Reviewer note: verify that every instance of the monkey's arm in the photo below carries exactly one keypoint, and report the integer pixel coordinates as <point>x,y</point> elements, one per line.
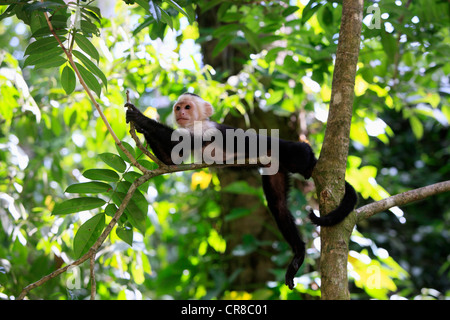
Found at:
<point>157,134</point>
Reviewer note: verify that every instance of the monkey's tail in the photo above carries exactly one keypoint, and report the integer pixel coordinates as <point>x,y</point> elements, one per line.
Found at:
<point>346,206</point>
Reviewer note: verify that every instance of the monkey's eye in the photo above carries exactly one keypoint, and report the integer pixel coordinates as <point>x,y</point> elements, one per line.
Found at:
<point>177,108</point>
<point>188,107</point>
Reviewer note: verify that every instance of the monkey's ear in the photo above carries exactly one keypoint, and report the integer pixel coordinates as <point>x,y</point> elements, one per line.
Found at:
<point>208,109</point>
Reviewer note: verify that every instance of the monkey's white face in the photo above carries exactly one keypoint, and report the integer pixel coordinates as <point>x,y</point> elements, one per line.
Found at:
<point>189,109</point>
<point>185,112</point>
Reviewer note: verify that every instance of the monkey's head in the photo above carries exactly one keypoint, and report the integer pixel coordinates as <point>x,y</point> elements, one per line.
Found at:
<point>189,108</point>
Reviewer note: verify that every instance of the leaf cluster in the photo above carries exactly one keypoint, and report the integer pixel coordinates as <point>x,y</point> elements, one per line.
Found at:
<point>72,23</point>
<point>112,183</point>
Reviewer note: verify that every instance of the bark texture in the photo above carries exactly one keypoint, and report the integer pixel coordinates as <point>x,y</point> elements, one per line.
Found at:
<point>329,174</point>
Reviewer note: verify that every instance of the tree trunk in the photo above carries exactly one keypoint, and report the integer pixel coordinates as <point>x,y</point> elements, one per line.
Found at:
<point>329,174</point>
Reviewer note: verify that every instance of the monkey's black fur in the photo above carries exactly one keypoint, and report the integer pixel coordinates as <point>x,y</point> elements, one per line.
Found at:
<point>294,157</point>
<point>157,134</point>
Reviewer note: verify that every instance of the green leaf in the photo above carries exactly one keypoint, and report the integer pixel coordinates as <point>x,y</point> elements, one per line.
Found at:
<point>289,10</point>
<point>138,197</point>
<point>89,28</point>
<point>8,12</point>
<point>68,80</point>
<point>221,45</point>
<point>134,214</point>
<point>46,6</point>
<point>90,79</point>
<point>51,63</point>
<point>42,45</point>
<point>91,66</point>
<point>231,16</point>
<point>111,209</point>
<point>309,10</point>
<point>142,3</point>
<point>60,20</point>
<point>45,57</point>
<point>89,187</point>
<point>129,148</point>
<point>86,45</point>
<point>155,11</point>
<point>227,30</point>
<point>143,25</point>
<point>210,4</point>
<point>358,133</point>
<point>389,43</point>
<point>446,112</point>
<point>275,97</point>
<point>416,126</point>
<point>147,164</point>
<point>177,7</point>
<point>166,18</point>
<point>125,233</point>
<point>77,205</point>
<point>273,53</point>
<point>131,176</point>
<point>87,234</point>
<point>113,160</point>
<point>101,174</point>
<point>45,31</point>
<point>95,11</point>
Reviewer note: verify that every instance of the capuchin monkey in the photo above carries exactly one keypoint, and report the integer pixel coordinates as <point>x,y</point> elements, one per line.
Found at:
<point>192,112</point>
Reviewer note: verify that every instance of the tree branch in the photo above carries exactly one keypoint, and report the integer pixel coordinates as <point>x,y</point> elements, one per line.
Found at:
<point>401,199</point>
<point>69,55</point>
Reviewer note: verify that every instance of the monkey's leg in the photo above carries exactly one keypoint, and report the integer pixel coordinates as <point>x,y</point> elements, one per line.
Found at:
<point>276,188</point>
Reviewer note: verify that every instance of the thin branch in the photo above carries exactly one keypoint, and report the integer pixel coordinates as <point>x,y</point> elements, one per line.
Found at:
<point>51,276</point>
<point>91,96</point>
<point>400,199</point>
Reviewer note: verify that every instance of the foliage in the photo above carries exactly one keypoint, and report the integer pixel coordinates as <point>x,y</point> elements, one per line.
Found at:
<point>62,177</point>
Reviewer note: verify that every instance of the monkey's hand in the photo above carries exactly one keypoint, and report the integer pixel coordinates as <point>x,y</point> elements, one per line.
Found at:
<point>133,115</point>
